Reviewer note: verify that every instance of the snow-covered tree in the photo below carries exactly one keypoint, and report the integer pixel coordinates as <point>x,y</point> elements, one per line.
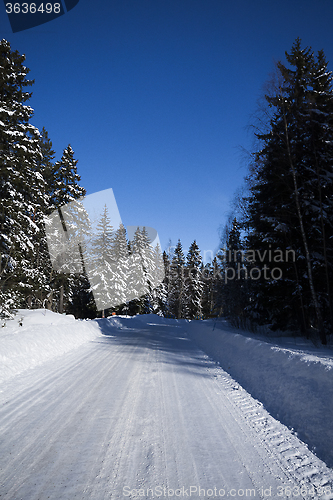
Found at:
<point>177,282</point>
<point>159,295</point>
<point>193,288</point>
<point>121,259</point>
<point>66,179</point>
<point>234,273</point>
<point>43,272</point>
<point>140,272</point>
<point>290,205</point>
<point>22,187</point>
<point>100,263</point>
<point>66,190</point>
<point>212,289</point>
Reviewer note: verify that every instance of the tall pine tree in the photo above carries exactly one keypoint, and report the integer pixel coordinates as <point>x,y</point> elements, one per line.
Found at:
<point>67,190</point>
<point>177,282</point>
<point>22,187</point>
<point>291,202</point>
<point>193,288</point>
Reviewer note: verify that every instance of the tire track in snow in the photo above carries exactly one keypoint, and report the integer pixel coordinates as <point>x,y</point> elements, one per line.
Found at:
<point>144,408</point>
<point>57,430</point>
<point>293,455</point>
<point>117,442</point>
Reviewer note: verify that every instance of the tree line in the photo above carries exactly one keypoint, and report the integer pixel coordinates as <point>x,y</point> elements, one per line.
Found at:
<point>288,202</point>
<point>275,263</point>
<point>107,269</point>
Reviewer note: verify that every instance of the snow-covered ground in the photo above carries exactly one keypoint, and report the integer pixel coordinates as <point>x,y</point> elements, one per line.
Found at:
<point>133,408</point>
<point>35,336</point>
<point>289,375</point>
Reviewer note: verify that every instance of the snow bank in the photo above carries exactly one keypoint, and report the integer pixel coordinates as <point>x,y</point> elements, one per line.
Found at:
<point>43,335</point>
<point>124,322</point>
<point>295,384</point>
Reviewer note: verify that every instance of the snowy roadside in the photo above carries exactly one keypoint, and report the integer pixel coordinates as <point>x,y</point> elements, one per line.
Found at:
<point>42,336</point>
<point>294,383</point>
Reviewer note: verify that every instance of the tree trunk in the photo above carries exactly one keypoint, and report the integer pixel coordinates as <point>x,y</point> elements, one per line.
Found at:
<point>304,238</point>
<point>324,241</point>
<point>61,299</point>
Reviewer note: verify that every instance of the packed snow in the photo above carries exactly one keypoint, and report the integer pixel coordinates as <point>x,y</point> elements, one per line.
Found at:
<point>36,336</point>
<point>289,375</point>
<point>129,407</point>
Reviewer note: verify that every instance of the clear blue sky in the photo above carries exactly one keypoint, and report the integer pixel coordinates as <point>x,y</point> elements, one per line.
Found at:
<point>155,97</point>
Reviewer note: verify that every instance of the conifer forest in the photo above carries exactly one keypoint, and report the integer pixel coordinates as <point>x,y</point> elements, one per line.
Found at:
<point>275,263</point>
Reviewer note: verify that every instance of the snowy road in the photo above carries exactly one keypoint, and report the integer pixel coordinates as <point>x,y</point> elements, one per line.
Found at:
<point>143,413</point>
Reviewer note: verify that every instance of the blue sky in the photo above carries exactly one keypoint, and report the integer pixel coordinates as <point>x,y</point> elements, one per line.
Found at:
<point>155,97</point>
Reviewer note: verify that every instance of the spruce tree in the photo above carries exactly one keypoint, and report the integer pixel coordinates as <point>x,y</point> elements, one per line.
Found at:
<point>166,284</point>
<point>121,259</point>
<point>177,282</point>
<point>206,278</point>
<point>66,179</point>
<point>159,290</point>
<point>22,187</point>
<point>235,276</point>
<point>291,202</point>
<point>193,288</point>
<point>43,273</point>
<point>100,263</point>
<point>136,282</point>
<point>45,166</point>
<point>67,190</point>
<point>141,272</point>
<point>216,287</point>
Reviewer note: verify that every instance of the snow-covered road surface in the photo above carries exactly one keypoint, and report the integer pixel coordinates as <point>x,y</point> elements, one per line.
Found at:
<point>143,413</point>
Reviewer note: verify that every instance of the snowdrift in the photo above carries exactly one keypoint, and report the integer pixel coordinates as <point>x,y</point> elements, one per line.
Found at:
<point>295,383</point>
<point>36,336</point>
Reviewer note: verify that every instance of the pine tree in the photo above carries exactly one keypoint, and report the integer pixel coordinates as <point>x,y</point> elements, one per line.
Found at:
<point>81,302</point>
<point>291,202</point>
<point>193,288</point>
<point>45,165</point>
<point>21,184</point>
<point>166,285</point>
<point>216,288</point>
<point>41,263</point>
<point>235,276</point>
<point>136,283</point>
<point>159,296</point>
<point>206,278</point>
<point>300,102</point>
<point>177,282</point>
<point>212,289</point>
<point>100,263</point>
<point>121,258</point>
<point>148,259</point>
<point>320,205</point>
<point>141,272</point>
<point>66,192</point>
<point>66,179</point>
